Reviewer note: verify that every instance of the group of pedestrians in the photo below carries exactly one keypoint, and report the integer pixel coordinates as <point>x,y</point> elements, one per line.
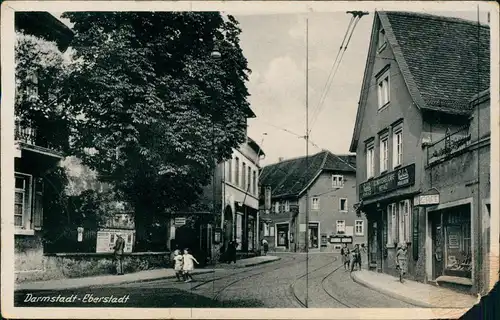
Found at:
<point>183,265</point>
<point>351,258</point>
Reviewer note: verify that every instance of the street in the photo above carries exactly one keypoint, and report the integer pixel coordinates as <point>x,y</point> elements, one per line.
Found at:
<point>280,284</point>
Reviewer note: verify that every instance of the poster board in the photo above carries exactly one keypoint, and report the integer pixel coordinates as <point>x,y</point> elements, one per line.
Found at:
<point>106,239</point>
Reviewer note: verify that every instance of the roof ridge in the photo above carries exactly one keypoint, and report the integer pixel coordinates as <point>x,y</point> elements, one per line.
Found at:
<point>344,161</point>
<point>430,16</point>
<point>294,159</point>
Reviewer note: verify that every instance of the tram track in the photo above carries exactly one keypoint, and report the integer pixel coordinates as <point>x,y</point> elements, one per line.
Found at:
<point>335,298</point>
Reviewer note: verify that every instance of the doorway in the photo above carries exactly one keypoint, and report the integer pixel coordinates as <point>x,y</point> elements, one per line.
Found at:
<point>437,244</point>
<point>282,235</point>
<point>313,235</point>
<point>373,242</point>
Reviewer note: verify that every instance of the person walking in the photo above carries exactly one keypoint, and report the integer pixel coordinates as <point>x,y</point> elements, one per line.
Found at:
<point>265,246</point>
<point>188,265</point>
<point>346,259</point>
<point>231,252</point>
<point>402,261</point>
<point>355,257</point>
<point>118,252</point>
<point>178,263</point>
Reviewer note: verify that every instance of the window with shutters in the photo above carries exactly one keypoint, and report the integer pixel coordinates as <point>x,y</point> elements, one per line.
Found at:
<point>340,226</point>
<point>22,202</point>
<point>337,181</point>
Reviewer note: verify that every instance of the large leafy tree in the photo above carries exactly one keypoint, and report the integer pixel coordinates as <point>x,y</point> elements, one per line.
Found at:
<point>156,111</point>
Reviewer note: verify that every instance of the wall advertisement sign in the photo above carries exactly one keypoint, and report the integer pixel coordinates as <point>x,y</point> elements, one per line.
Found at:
<point>400,178</point>
<point>106,239</point>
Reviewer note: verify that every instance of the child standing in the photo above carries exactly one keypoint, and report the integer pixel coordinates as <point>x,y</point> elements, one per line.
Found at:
<point>178,262</point>
<point>188,265</point>
<point>401,261</point>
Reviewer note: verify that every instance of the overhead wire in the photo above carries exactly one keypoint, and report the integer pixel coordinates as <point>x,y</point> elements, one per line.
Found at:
<point>330,79</point>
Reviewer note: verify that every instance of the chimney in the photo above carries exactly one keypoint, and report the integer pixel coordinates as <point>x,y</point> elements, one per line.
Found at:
<point>280,159</point>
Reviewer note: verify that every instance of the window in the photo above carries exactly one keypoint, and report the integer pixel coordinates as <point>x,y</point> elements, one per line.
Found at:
<point>404,221</point>
<point>287,206</point>
<point>249,179</point>
<point>359,227</point>
<point>381,39</point>
<point>337,181</point>
<point>315,203</point>
<point>237,171</point>
<point>229,171</point>
<point>384,152</point>
<point>266,230</point>
<point>343,204</point>
<point>22,201</point>
<point>243,176</point>
<point>397,144</point>
<point>277,207</point>
<point>254,183</point>
<point>271,231</point>
<point>369,160</point>
<point>341,226</point>
<point>32,88</point>
<point>383,90</point>
<point>392,236</point>
<point>267,198</point>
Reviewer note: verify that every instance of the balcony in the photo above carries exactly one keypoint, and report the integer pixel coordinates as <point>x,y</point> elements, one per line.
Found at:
<point>28,139</point>
<point>450,144</point>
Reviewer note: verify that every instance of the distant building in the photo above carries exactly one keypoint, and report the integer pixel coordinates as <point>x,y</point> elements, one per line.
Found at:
<point>416,91</point>
<point>330,183</point>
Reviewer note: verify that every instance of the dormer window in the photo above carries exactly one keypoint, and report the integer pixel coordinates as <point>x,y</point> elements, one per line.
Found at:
<point>381,40</point>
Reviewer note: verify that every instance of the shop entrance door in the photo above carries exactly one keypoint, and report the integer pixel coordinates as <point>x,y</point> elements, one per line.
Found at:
<point>373,243</point>
<point>282,235</point>
<point>437,244</point>
<point>313,235</point>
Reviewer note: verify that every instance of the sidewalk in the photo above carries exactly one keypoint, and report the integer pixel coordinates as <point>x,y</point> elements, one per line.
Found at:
<point>416,293</point>
<point>147,275</point>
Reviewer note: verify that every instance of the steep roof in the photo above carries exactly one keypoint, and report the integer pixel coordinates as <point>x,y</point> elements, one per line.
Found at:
<point>438,59</point>
<point>290,177</point>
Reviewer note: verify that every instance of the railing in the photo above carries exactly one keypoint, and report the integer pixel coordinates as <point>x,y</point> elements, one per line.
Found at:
<point>25,134</point>
<point>452,142</point>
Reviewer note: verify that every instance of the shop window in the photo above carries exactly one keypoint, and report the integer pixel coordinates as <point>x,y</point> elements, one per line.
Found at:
<point>337,181</point>
<point>315,203</point>
<point>404,221</point>
<point>392,236</point>
<point>287,206</point>
<point>458,253</point>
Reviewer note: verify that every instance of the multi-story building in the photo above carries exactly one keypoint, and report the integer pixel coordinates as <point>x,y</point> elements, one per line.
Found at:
<point>35,156</point>
<point>416,88</point>
<point>328,182</point>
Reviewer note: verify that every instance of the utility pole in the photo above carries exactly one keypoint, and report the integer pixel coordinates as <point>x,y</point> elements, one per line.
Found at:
<point>307,163</point>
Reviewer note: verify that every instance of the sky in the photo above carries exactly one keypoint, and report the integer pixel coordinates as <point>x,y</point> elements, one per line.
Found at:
<point>275,47</point>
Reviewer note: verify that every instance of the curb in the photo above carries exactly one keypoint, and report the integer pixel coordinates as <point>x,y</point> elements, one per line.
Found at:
<point>258,263</point>
<point>390,293</point>
<point>125,281</point>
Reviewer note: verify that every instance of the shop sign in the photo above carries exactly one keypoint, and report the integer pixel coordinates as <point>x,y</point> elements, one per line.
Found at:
<point>400,178</point>
<point>180,221</point>
<point>340,239</point>
<point>427,198</point>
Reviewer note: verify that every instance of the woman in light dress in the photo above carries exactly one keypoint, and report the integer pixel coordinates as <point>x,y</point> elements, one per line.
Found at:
<point>188,265</point>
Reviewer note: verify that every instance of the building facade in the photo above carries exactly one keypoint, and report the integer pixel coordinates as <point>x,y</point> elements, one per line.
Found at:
<point>35,156</point>
<point>414,92</point>
<point>320,198</point>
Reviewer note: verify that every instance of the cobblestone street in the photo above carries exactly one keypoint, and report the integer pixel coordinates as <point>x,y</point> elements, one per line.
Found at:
<point>281,284</point>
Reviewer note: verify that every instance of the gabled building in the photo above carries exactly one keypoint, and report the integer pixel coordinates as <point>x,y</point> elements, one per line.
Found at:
<point>421,72</point>
<point>330,187</point>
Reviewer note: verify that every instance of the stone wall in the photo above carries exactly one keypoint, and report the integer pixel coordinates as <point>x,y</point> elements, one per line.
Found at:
<point>73,265</point>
